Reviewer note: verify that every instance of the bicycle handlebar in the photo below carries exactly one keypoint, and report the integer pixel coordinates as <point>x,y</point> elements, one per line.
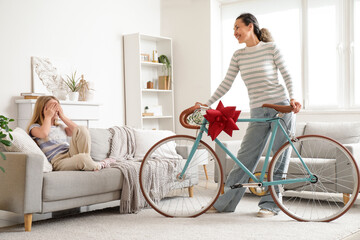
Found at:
<point>184,115</point>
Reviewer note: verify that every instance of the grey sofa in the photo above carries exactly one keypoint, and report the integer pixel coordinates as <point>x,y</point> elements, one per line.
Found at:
<point>347,133</point>
<point>25,189</point>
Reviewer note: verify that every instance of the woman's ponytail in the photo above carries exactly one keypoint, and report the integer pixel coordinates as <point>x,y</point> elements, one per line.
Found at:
<point>266,35</point>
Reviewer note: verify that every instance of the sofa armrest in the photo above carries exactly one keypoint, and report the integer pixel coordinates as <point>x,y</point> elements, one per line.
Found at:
<point>354,149</point>
<point>21,184</point>
<point>226,162</point>
<point>344,184</point>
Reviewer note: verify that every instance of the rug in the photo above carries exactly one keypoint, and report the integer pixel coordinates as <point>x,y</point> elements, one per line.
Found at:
<point>148,224</point>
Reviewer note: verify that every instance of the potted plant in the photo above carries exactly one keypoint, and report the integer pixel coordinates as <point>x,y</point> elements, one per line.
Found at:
<point>4,132</point>
<point>164,81</point>
<point>73,83</point>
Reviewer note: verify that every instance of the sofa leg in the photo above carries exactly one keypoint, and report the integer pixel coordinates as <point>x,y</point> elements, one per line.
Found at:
<point>205,170</point>
<point>28,222</point>
<point>191,191</point>
<point>346,198</point>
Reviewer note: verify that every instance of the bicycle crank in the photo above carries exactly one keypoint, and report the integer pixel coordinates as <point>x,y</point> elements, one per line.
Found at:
<point>240,185</point>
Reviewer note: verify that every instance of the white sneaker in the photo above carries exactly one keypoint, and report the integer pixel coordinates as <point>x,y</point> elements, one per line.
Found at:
<point>212,210</point>
<point>265,213</point>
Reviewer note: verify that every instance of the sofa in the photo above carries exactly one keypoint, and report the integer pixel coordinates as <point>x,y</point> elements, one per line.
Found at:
<point>347,133</point>
<point>28,186</point>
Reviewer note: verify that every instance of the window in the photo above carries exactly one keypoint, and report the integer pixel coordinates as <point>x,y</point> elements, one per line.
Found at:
<point>320,47</point>
<point>355,49</point>
<point>323,51</point>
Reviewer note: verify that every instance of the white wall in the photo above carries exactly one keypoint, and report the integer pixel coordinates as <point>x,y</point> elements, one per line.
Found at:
<point>188,23</point>
<point>85,34</point>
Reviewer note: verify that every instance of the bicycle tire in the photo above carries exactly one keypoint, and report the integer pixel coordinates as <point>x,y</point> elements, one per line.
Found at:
<point>177,201</point>
<point>337,176</point>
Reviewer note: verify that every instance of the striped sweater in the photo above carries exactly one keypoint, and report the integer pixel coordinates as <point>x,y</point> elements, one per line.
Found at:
<point>258,66</point>
<point>54,144</point>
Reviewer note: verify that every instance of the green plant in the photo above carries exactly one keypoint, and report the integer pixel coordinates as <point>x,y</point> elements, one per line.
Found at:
<point>73,82</point>
<point>4,131</point>
<point>164,59</point>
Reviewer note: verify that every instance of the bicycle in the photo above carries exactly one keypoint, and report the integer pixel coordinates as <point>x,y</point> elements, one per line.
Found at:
<point>308,189</point>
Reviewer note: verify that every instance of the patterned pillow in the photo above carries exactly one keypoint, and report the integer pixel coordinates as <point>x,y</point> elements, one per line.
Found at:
<point>23,143</point>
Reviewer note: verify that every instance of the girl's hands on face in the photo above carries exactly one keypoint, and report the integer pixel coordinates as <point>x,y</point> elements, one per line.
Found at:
<point>60,110</point>
<point>50,110</point>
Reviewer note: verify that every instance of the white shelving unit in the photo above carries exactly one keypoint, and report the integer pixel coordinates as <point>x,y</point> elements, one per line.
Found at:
<point>138,73</point>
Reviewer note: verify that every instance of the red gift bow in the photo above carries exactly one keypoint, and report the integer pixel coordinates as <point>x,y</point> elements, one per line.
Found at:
<point>222,119</point>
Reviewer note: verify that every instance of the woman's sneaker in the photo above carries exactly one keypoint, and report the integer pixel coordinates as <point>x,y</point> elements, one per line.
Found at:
<point>212,210</point>
<point>265,213</point>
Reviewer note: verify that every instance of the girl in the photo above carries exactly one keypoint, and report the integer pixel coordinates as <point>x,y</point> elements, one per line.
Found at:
<point>258,64</point>
<point>51,138</point>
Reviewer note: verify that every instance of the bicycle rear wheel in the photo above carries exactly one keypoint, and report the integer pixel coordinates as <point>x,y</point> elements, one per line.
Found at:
<point>337,179</point>
<point>162,187</point>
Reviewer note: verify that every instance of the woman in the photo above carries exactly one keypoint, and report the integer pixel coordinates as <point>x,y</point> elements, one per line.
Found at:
<point>258,63</point>
<point>52,138</point>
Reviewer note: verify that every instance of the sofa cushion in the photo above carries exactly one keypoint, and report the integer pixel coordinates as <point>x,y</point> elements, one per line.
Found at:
<point>344,132</point>
<point>2,148</point>
<point>23,143</point>
<point>100,143</point>
<point>145,139</point>
<point>60,185</point>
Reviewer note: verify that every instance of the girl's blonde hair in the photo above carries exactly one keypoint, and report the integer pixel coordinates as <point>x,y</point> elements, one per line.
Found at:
<point>38,115</point>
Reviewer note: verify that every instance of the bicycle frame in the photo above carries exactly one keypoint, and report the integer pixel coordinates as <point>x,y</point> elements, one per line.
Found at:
<point>277,125</point>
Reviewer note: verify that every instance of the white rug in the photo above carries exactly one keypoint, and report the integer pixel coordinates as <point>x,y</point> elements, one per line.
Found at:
<point>148,224</point>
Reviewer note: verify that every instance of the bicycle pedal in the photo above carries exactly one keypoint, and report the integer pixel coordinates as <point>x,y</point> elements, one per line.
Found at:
<point>236,185</point>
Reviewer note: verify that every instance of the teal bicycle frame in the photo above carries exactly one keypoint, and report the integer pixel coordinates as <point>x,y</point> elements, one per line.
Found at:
<point>277,125</point>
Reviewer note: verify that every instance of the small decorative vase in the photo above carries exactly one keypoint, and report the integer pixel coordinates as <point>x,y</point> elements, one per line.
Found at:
<point>149,85</point>
<point>164,82</point>
<point>73,96</point>
<point>60,94</point>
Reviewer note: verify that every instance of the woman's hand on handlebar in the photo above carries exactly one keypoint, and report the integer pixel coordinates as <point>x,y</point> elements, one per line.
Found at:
<point>295,105</point>
<point>201,105</point>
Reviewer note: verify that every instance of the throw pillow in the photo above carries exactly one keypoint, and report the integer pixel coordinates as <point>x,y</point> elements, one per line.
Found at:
<point>100,143</point>
<point>145,139</point>
<point>23,143</point>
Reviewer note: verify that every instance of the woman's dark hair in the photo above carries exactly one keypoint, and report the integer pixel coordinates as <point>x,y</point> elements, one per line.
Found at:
<point>262,34</point>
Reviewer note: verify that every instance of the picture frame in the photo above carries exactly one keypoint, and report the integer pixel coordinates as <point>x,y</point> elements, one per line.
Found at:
<point>145,57</point>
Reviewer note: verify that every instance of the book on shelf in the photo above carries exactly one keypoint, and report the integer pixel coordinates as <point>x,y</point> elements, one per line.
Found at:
<point>32,95</point>
<point>148,114</point>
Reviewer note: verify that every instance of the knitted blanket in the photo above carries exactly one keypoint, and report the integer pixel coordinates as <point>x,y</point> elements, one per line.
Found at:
<point>160,177</point>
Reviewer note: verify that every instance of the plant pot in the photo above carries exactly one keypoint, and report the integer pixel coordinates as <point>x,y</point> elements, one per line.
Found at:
<point>164,82</point>
<point>73,96</point>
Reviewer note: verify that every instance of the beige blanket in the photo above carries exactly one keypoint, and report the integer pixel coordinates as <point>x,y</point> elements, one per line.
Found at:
<point>159,172</point>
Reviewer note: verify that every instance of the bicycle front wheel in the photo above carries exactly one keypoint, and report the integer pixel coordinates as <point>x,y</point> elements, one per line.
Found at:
<point>336,183</point>
<point>169,193</point>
